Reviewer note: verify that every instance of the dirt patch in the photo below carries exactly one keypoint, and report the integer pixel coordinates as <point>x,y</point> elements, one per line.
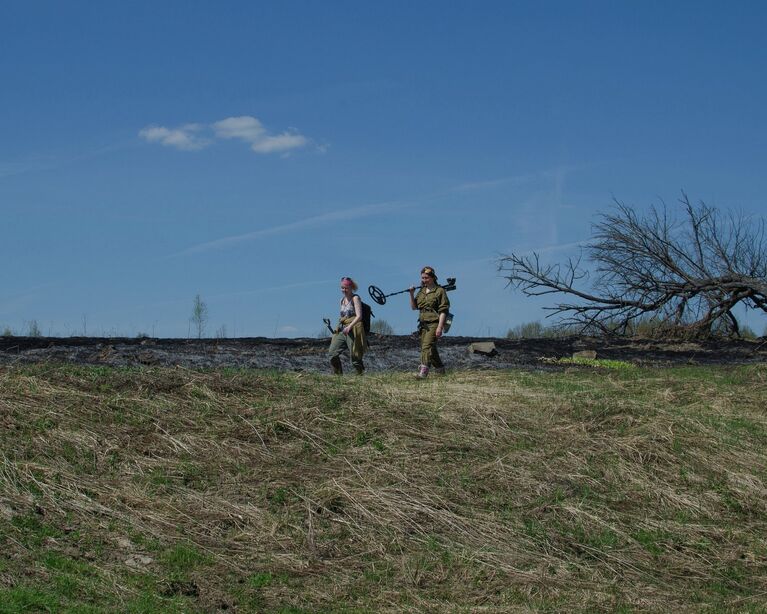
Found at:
<point>387,353</point>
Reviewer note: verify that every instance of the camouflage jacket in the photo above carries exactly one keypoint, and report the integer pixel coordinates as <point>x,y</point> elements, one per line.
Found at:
<point>432,304</point>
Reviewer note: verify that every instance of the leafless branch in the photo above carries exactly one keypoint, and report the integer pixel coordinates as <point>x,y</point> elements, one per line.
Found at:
<point>688,272</point>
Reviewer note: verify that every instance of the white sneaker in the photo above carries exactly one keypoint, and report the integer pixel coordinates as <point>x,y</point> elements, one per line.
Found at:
<point>423,372</point>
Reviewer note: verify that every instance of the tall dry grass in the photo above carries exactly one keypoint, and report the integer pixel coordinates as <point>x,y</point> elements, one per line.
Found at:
<point>166,489</point>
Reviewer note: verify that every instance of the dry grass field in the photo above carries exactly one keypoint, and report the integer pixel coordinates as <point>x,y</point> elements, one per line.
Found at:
<point>584,489</point>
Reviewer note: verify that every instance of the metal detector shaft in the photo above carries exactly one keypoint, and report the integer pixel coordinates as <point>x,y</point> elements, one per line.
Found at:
<point>379,297</point>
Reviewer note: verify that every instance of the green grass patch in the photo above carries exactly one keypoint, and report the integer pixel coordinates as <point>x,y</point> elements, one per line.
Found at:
<point>601,363</point>
<point>183,558</point>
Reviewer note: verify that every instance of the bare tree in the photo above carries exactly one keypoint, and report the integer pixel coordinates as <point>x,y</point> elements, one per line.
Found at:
<point>199,316</point>
<point>688,273</point>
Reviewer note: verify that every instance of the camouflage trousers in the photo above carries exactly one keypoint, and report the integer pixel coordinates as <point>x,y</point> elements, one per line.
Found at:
<point>429,354</point>
<point>355,342</point>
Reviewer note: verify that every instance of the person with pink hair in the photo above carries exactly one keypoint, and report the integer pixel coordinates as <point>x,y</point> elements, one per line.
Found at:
<point>350,331</point>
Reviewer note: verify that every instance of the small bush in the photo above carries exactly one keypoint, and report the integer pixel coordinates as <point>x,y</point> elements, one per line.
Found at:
<point>647,327</point>
<point>536,330</point>
<point>746,332</point>
<point>528,330</point>
<point>381,327</point>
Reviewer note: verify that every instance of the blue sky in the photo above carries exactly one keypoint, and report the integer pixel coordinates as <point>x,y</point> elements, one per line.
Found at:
<point>253,153</point>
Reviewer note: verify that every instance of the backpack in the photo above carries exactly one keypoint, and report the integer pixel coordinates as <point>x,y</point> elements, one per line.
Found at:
<point>367,313</point>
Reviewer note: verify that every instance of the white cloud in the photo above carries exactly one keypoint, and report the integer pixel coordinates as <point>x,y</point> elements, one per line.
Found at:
<point>251,130</point>
<point>280,143</point>
<point>244,128</point>
<point>184,138</point>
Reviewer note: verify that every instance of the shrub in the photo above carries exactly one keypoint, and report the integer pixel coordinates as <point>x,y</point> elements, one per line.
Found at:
<point>34,329</point>
<point>381,327</point>
<point>527,330</point>
<point>746,332</point>
<point>536,330</point>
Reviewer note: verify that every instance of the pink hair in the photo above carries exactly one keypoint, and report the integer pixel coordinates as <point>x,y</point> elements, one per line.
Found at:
<point>348,282</point>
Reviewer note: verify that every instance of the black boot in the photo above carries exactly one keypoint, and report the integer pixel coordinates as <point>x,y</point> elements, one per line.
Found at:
<point>335,362</point>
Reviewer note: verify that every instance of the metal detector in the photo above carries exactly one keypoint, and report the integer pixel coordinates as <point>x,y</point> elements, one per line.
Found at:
<point>379,297</point>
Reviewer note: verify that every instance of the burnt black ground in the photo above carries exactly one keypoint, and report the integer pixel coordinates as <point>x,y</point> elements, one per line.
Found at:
<point>387,353</point>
